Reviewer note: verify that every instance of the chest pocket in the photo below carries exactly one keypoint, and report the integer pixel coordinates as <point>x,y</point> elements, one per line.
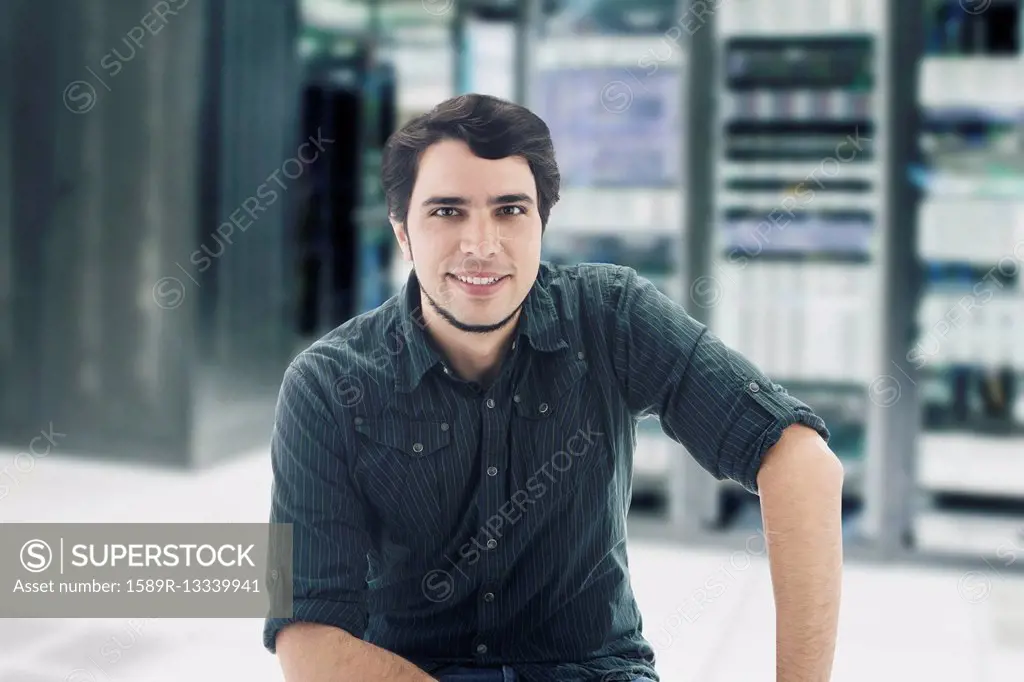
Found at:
<point>557,432</point>
<point>401,467</point>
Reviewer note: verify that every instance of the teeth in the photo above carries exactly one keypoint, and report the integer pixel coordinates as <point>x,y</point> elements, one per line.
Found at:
<point>478,280</point>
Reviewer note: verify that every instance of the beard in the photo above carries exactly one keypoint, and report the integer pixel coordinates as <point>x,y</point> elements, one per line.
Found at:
<point>450,318</point>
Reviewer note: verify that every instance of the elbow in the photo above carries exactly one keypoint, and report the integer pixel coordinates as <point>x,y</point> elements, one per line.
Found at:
<point>840,469</point>
<point>832,471</point>
<point>833,475</point>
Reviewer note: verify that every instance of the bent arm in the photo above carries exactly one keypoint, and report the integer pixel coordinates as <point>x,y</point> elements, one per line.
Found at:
<point>311,652</point>
<point>314,492</point>
<point>710,398</point>
<point>739,424</point>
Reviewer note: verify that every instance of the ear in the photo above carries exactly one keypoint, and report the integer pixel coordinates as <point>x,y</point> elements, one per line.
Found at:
<point>403,238</point>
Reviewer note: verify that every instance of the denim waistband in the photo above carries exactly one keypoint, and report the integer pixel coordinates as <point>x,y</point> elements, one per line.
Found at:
<point>461,674</point>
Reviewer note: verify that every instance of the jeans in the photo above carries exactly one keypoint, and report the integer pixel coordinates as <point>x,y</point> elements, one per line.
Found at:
<point>457,674</point>
<point>503,674</point>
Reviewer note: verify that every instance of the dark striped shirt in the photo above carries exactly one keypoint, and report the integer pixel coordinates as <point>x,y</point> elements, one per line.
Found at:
<point>452,523</point>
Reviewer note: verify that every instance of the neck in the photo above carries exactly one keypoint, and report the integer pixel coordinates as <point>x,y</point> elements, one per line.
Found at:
<point>473,357</point>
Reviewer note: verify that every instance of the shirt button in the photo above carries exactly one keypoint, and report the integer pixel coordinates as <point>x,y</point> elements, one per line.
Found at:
<point>357,421</point>
<point>417,447</point>
<point>492,543</point>
<point>515,398</point>
<point>481,648</point>
<point>754,388</point>
<point>492,471</point>
<point>580,355</point>
<point>490,402</point>
<point>489,597</point>
<point>543,408</point>
<point>446,370</point>
<point>444,426</point>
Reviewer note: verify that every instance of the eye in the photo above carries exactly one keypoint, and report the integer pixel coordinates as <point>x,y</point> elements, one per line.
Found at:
<point>512,210</point>
<point>440,213</point>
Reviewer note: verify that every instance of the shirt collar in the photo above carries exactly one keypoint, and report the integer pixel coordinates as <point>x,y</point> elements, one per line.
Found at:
<point>539,324</point>
<point>418,355</point>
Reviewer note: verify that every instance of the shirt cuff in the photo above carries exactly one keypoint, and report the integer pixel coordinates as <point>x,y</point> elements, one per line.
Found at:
<point>349,617</point>
<point>770,411</point>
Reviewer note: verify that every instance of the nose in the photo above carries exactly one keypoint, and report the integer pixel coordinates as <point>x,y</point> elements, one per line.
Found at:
<point>481,239</point>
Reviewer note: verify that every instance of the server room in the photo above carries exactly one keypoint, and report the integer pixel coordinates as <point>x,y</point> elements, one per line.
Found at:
<point>191,202</point>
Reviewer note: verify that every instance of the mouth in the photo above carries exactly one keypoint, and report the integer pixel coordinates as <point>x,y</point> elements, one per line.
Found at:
<point>476,285</point>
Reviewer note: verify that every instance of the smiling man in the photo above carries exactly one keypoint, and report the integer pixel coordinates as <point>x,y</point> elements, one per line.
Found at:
<point>459,508</point>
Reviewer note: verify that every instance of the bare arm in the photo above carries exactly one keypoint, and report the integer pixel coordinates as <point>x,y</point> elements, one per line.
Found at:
<point>800,485</point>
<point>311,652</point>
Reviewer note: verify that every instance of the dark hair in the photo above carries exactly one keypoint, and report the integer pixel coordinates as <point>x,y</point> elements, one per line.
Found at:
<point>493,128</point>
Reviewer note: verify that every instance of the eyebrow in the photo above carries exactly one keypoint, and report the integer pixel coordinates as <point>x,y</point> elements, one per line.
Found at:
<point>493,201</point>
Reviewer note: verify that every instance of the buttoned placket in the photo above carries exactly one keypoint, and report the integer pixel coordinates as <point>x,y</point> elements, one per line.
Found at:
<point>495,405</point>
<point>496,409</point>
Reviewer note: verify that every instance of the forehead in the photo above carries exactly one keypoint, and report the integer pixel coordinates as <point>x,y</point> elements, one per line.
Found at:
<point>450,167</point>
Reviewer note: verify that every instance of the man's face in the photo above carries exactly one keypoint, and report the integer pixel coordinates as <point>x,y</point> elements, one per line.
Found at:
<point>474,235</point>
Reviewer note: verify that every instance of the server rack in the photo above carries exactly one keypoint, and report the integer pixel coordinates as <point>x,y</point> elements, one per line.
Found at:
<point>343,232</point>
<point>967,356</point>
<point>142,322</point>
<point>939,477</point>
<point>799,216</point>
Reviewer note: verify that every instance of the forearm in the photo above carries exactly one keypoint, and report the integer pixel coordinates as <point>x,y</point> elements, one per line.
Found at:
<point>310,652</point>
<point>800,486</point>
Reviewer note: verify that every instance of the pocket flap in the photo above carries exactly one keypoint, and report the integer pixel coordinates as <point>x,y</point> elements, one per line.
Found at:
<point>538,397</point>
<point>414,438</point>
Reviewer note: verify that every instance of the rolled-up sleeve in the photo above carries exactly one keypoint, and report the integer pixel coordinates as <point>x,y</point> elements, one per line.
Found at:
<point>711,399</point>
<point>313,491</point>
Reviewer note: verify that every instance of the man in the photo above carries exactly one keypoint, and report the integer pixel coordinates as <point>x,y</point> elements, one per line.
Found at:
<point>457,462</point>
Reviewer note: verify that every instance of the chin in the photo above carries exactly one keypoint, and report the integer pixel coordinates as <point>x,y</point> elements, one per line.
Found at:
<point>475,316</point>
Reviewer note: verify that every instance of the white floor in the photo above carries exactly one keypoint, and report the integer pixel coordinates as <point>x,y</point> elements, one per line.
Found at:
<point>897,624</point>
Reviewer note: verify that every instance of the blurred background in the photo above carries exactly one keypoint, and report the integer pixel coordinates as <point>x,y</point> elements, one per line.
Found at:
<point>189,195</point>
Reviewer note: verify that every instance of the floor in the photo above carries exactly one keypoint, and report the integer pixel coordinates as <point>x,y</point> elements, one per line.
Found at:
<point>897,623</point>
